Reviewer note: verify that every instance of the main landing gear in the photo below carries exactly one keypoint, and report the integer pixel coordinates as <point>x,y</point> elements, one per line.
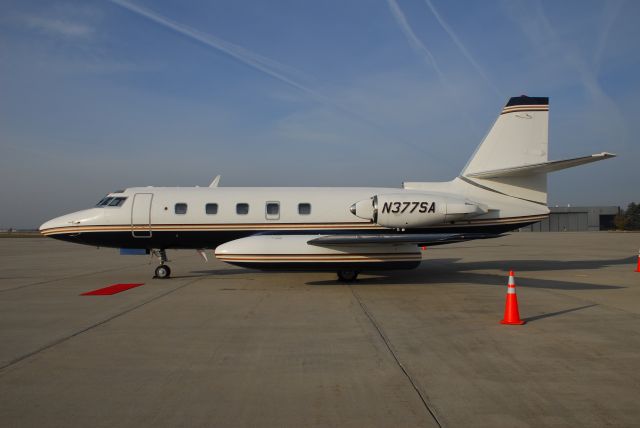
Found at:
<point>163,271</point>
<point>347,275</point>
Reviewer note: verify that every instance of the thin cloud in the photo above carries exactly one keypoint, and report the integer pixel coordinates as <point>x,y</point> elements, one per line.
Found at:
<point>610,15</point>
<point>258,62</point>
<point>414,41</point>
<point>587,76</point>
<point>59,27</point>
<point>465,52</point>
<point>543,37</point>
<point>423,51</point>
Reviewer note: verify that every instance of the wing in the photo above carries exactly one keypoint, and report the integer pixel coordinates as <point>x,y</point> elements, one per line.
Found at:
<point>417,239</point>
<point>334,252</point>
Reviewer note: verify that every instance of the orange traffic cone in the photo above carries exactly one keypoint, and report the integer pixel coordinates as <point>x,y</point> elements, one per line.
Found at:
<point>511,313</point>
<point>638,268</point>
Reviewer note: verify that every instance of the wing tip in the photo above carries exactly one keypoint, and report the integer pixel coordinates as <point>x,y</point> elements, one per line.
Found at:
<point>604,155</point>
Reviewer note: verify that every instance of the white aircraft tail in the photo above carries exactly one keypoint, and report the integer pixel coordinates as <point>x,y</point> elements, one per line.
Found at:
<point>512,158</point>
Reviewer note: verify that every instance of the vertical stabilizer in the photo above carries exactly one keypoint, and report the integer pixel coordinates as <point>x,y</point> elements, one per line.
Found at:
<point>519,137</point>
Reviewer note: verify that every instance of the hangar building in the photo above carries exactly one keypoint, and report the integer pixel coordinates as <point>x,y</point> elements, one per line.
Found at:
<point>576,219</point>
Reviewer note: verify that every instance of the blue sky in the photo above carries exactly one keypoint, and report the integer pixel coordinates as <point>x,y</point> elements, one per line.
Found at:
<point>101,95</point>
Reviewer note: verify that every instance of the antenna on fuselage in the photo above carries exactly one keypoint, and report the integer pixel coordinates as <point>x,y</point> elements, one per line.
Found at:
<point>215,182</point>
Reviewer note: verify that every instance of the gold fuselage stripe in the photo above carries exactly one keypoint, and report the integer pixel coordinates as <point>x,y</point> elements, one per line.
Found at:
<point>319,257</point>
<point>211,227</point>
<point>525,108</point>
<point>272,226</point>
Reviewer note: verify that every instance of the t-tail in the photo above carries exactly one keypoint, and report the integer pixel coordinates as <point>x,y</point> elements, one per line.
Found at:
<point>513,157</point>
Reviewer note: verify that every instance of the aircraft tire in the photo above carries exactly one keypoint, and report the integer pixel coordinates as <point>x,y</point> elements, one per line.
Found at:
<point>347,275</point>
<point>163,272</point>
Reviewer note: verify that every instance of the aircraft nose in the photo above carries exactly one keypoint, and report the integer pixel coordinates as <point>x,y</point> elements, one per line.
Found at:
<point>54,223</point>
<point>44,226</point>
<point>68,220</point>
<point>352,208</point>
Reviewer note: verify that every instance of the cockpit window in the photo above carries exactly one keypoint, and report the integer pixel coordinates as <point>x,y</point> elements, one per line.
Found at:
<point>116,202</point>
<point>104,201</point>
<point>111,202</point>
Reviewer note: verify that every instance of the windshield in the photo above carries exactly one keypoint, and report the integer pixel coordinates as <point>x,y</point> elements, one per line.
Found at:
<point>104,201</point>
<point>116,202</point>
<point>110,201</point>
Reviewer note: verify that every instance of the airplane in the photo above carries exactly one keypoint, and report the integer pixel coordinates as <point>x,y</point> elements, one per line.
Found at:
<point>503,187</point>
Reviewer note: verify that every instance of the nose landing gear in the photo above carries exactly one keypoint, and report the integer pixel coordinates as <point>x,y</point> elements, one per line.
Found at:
<point>347,275</point>
<point>163,271</point>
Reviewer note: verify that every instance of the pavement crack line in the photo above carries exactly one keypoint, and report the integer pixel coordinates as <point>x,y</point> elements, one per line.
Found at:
<point>80,275</point>
<point>423,397</point>
<point>3,368</point>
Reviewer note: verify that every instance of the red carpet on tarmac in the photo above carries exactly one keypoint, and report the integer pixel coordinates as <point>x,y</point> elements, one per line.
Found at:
<point>112,289</point>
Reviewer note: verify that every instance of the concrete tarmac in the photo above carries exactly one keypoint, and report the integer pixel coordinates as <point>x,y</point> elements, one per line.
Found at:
<point>221,346</point>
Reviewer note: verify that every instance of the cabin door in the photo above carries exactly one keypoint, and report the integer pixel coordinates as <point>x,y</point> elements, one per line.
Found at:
<point>141,215</point>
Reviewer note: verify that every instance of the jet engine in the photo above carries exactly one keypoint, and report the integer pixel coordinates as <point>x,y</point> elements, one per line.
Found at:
<point>415,210</point>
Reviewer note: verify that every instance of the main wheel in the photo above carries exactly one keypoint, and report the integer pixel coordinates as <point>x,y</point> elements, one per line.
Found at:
<point>347,275</point>
<point>163,271</point>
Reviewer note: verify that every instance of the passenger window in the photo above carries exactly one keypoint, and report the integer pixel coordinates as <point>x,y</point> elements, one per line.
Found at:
<point>242,209</point>
<point>211,208</point>
<point>272,210</point>
<point>180,208</point>
<point>304,209</point>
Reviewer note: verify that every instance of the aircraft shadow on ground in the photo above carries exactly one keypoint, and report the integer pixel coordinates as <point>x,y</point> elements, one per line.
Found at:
<point>451,271</point>
<point>213,272</point>
<point>533,265</point>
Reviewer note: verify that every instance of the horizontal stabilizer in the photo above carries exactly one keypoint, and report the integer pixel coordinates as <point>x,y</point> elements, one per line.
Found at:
<point>539,168</point>
<point>418,239</point>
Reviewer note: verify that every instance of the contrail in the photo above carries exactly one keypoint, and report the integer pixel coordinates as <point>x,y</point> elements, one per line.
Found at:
<point>415,42</point>
<point>462,47</point>
<point>573,58</point>
<point>420,47</point>
<point>544,38</point>
<point>258,62</point>
<point>245,56</point>
<point>609,17</point>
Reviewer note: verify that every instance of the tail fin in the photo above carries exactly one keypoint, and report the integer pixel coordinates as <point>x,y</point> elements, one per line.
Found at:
<point>512,158</point>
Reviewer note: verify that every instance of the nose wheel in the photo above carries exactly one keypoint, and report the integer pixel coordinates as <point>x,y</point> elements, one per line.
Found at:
<point>163,271</point>
<point>347,275</point>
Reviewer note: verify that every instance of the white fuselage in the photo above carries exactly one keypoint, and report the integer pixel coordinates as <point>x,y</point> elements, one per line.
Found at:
<point>174,217</point>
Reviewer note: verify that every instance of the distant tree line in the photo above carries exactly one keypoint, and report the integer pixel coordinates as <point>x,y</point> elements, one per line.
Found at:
<point>629,219</point>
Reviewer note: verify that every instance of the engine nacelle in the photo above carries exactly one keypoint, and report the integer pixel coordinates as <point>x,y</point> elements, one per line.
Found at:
<point>415,210</point>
